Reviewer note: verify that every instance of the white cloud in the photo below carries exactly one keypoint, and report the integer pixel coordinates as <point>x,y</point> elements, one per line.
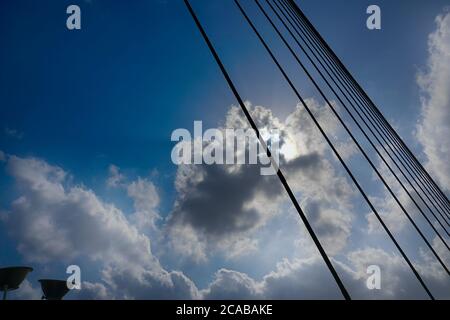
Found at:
<point>92,291</point>
<point>144,195</point>
<point>310,279</point>
<point>297,279</point>
<point>397,279</point>
<point>26,291</point>
<point>388,208</point>
<point>300,279</point>
<point>54,222</point>
<point>2,156</point>
<point>146,200</point>
<point>433,129</point>
<point>115,178</point>
<point>149,284</point>
<point>229,284</point>
<point>333,226</point>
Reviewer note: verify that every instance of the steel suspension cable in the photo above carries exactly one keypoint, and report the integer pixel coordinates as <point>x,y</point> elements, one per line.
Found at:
<point>359,115</point>
<point>360,96</point>
<point>359,89</point>
<point>389,145</point>
<point>337,154</point>
<point>349,131</point>
<point>279,172</point>
<point>398,141</point>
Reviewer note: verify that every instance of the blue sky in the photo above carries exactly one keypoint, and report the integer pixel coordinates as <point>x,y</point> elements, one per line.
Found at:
<point>113,92</point>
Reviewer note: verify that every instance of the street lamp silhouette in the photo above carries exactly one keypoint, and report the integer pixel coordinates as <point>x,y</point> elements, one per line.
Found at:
<point>11,278</point>
<point>53,289</point>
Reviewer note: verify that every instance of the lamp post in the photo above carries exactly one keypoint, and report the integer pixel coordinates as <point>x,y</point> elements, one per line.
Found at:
<point>11,278</point>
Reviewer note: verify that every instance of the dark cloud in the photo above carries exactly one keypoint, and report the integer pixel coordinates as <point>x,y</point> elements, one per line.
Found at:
<point>216,205</point>
<point>224,203</point>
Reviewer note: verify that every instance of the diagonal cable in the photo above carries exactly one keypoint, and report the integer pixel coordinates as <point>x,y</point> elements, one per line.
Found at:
<point>419,278</point>
<point>353,118</point>
<point>373,109</point>
<point>279,172</point>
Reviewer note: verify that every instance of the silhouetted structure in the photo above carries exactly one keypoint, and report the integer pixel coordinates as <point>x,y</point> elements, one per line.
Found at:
<point>12,277</point>
<point>53,289</point>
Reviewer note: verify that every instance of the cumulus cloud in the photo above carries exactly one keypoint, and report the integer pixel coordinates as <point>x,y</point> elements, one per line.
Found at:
<point>310,279</point>
<point>149,284</point>
<point>433,129</point>
<point>229,284</point>
<point>145,200</point>
<point>26,291</point>
<point>297,279</point>
<point>222,206</point>
<point>144,195</point>
<point>397,280</point>
<point>388,208</point>
<point>333,226</point>
<point>52,221</point>
<point>92,291</point>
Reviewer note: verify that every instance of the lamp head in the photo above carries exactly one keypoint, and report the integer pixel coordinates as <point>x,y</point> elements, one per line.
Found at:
<point>54,289</point>
<point>12,277</point>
